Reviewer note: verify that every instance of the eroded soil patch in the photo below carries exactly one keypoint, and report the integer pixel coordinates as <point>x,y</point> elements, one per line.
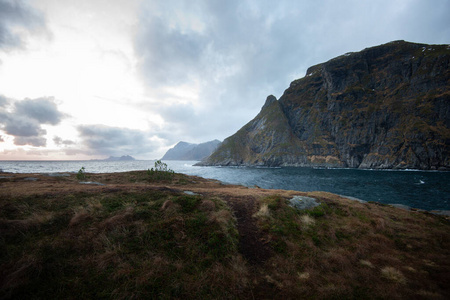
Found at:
<point>251,242</point>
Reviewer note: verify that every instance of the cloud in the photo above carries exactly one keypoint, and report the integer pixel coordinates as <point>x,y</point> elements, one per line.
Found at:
<point>106,140</point>
<point>36,141</point>
<point>237,52</point>
<point>3,101</point>
<point>60,142</point>
<point>17,125</point>
<point>43,110</point>
<point>18,18</point>
<point>23,119</point>
<point>173,56</point>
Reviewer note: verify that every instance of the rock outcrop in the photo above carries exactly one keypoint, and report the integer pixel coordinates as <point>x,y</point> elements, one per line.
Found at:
<point>384,107</point>
<point>188,151</point>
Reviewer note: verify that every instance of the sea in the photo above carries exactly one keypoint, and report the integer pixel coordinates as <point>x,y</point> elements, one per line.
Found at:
<point>427,190</point>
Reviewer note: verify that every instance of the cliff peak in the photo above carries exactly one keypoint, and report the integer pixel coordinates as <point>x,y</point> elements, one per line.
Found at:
<point>269,100</point>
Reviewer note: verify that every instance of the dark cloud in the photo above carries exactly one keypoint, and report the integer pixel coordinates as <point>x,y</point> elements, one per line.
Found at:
<point>43,110</point>
<point>106,140</point>
<point>23,119</point>
<point>17,125</point>
<point>60,142</point>
<point>238,52</point>
<point>18,14</point>
<point>36,141</point>
<point>175,56</point>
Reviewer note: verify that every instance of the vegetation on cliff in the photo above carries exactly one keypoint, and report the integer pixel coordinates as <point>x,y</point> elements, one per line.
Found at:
<point>192,238</point>
<point>384,107</point>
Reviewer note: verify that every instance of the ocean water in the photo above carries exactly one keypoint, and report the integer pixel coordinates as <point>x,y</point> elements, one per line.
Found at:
<point>429,190</point>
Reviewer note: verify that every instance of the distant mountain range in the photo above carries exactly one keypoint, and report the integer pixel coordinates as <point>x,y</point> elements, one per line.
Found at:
<point>188,151</point>
<point>121,158</point>
<point>386,107</point>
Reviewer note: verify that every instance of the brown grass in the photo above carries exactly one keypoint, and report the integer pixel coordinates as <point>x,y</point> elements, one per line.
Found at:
<point>393,275</point>
<point>135,239</point>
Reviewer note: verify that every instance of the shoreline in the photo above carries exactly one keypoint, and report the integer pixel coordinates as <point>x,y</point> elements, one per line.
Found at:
<point>445,213</point>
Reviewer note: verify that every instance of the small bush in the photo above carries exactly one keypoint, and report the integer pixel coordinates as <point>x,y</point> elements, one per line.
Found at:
<point>160,172</point>
<point>318,211</point>
<point>81,175</point>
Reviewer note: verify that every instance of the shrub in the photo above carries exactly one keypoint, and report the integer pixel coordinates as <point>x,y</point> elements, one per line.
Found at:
<point>160,172</point>
<point>81,175</point>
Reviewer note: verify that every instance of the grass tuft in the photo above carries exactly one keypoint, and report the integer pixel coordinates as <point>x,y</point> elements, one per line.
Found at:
<point>393,275</point>
<point>263,211</point>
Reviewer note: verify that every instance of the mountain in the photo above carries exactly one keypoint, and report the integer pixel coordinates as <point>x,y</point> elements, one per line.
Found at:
<point>122,158</point>
<point>188,151</point>
<point>384,107</point>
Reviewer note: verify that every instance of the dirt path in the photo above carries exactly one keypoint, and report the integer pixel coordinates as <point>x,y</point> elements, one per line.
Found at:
<point>251,244</point>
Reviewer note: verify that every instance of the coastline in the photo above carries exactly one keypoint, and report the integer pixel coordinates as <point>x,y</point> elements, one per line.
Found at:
<point>442,212</point>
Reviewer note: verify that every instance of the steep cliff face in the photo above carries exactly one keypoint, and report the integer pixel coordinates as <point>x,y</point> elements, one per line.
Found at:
<point>383,107</point>
<point>267,140</point>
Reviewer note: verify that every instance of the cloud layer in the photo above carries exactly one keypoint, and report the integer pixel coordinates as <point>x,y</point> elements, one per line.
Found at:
<point>148,74</point>
<point>235,53</point>
<point>18,18</point>
<point>24,119</point>
<point>107,140</point>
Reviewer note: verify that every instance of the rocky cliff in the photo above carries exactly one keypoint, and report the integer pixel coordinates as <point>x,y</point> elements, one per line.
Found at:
<point>188,151</point>
<point>384,107</point>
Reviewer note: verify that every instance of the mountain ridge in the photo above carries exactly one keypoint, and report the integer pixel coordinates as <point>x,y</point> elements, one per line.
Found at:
<point>385,107</point>
<point>189,151</point>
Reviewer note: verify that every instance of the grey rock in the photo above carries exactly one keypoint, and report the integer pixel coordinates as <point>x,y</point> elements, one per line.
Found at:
<point>30,179</point>
<point>303,202</point>
<point>58,174</point>
<point>190,193</point>
<point>91,182</point>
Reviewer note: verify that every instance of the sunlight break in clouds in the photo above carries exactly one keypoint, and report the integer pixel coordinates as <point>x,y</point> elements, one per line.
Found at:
<point>132,77</point>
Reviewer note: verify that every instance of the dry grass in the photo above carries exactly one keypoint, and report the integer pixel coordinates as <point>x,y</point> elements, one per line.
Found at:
<point>393,275</point>
<point>133,239</point>
<point>366,263</point>
<point>307,220</point>
<point>263,211</point>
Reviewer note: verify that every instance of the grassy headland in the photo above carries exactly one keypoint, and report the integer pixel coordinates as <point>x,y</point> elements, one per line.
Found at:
<point>190,238</point>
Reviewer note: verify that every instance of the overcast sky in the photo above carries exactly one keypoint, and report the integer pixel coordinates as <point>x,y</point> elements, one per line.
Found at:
<point>94,78</point>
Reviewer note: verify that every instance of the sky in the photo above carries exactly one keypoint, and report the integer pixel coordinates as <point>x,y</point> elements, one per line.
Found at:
<point>89,79</point>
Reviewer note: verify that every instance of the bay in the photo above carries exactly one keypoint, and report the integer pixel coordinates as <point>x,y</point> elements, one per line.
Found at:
<point>429,190</point>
